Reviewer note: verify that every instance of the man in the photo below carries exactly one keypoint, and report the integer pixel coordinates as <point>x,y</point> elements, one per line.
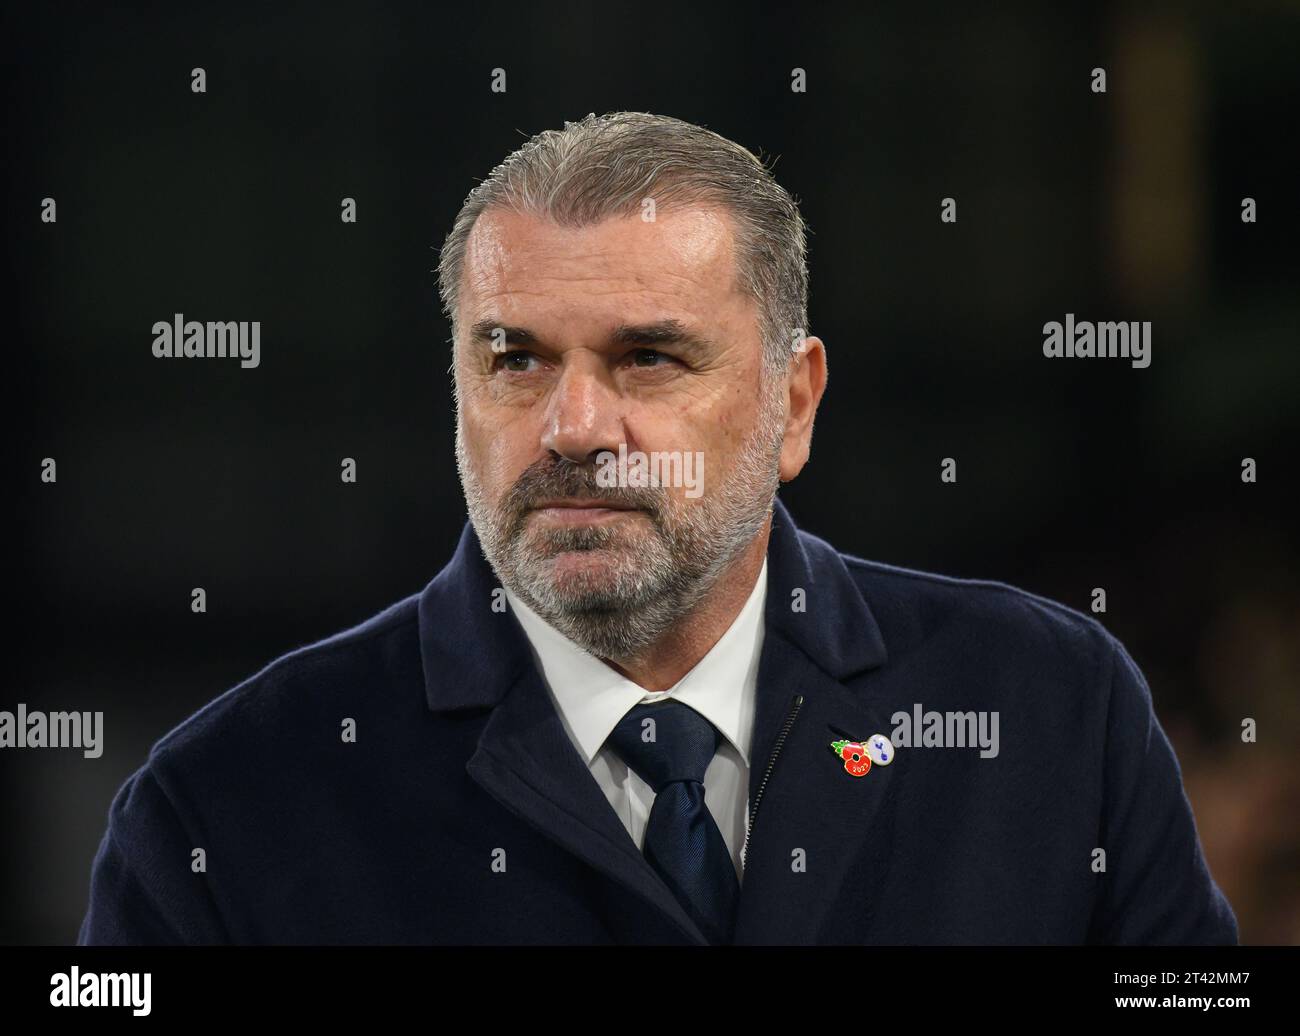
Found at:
<point>639,705</point>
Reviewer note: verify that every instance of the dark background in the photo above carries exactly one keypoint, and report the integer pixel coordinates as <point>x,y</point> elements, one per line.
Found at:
<point>1073,474</point>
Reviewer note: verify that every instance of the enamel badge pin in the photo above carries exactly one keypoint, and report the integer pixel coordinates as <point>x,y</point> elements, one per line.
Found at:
<point>860,756</point>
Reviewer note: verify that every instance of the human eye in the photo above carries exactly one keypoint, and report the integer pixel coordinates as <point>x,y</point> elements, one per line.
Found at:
<point>650,358</point>
<point>516,361</point>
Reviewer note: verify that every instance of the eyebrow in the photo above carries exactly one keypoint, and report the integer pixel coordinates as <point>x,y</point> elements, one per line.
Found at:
<point>658,333</point>
<point>663,332</point>
<point>485,331</point>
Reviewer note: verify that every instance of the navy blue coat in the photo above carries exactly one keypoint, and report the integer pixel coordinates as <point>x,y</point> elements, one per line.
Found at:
<point>460,760</point>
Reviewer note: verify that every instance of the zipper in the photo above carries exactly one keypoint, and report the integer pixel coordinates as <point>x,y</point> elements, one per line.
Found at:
<point>795,704</point>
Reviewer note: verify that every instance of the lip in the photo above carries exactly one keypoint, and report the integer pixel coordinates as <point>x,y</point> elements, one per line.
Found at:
<point>576,504</point>
<point>582,512</point>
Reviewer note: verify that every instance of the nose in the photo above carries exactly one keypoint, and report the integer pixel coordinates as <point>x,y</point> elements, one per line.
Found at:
<point>583,414</point>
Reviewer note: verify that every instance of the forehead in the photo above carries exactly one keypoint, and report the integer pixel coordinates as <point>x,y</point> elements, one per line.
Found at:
<point>684,259</point>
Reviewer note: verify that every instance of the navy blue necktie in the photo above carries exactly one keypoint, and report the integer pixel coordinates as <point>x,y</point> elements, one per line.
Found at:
<point>682,840</point>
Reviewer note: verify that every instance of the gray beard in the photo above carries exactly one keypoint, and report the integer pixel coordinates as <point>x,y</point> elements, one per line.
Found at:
<point>658,574</point>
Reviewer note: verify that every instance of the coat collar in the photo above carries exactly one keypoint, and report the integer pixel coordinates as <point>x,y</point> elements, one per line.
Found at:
<point>473,649</point>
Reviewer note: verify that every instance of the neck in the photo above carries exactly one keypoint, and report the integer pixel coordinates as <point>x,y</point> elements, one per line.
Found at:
<point>662,664</point>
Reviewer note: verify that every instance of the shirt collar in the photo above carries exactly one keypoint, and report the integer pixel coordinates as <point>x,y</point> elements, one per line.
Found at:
<point>591,697</point>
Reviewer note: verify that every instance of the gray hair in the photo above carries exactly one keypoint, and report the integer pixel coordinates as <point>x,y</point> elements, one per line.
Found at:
<point>605,166</point>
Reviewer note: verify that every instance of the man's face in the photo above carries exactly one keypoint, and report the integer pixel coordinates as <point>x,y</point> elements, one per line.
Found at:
<point>573,342</point>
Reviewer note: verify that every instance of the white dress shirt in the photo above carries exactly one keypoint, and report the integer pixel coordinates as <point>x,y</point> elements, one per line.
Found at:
<point>591,698</point>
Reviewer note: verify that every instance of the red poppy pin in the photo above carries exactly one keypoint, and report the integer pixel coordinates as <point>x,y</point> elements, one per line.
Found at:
<point>854,754</point>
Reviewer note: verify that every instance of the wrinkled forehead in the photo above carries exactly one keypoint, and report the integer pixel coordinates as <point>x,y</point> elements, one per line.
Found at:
<point>685,256</point>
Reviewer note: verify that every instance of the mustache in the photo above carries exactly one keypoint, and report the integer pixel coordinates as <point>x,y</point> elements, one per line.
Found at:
<point>553,478</point>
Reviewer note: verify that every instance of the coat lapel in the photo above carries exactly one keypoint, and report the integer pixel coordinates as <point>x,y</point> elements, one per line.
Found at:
<point>524,758</point>
<point>810,869</point>
<point>526,761</point>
